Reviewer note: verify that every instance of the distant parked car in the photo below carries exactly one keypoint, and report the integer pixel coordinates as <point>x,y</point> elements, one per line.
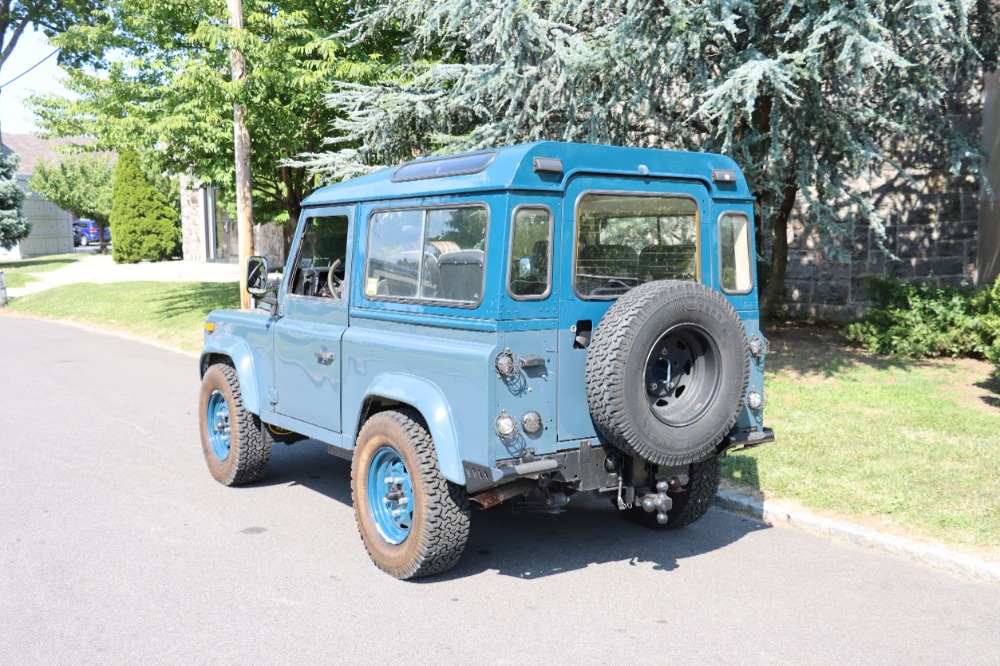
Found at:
<point>90,232</point>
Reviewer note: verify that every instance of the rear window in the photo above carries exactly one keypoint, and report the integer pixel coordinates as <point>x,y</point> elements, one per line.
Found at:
<point>433,255</point>
<point>624,240</point>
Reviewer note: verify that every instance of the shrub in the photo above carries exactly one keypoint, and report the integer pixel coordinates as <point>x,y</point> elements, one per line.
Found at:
<point>143,225</point>
<point>14,227</point>
<point>922,320</point>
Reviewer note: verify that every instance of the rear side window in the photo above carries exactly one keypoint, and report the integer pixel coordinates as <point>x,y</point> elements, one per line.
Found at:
<point>529,275</point>
<point>734,243</point>
<point>624,240</point>
<point>432,254</point>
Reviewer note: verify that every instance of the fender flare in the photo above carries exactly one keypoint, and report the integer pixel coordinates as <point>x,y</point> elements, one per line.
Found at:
<point>430,401</point>
<point>238,351</point>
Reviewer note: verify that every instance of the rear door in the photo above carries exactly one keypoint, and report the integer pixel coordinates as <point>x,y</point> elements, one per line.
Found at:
<point>618,233</point>
<point>307,336</point>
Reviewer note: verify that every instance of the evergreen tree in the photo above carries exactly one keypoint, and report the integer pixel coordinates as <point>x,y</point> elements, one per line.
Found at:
<point>143,225</point>
<point>14,227</point>
<point>813,98</point>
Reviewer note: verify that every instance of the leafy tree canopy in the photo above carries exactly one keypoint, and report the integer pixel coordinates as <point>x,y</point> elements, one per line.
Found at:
<point>50,16</point>
<point>14,227</point>
<point>168,92</point>
<point>811,97</point>
<point>80,185</point>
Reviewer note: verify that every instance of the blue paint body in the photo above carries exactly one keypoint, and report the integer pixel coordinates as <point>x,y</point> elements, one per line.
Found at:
<point>439,358</point>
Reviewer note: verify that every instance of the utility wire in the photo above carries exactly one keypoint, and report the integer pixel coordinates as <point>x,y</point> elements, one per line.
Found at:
<point>4,85</point>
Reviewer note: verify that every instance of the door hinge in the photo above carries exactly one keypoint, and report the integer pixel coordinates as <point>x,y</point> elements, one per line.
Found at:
<point>272,396</point>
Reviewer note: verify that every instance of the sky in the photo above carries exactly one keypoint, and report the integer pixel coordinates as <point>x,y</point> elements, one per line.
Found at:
<point>31,47</point>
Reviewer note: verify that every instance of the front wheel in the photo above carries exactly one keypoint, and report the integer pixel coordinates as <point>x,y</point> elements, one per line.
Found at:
<point>412,521</point>
<point>231,437</point>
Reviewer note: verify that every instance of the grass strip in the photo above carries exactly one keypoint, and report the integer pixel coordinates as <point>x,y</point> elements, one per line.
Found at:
<point>18,273</point>
<point>912,447</point>
<point>168,312</point>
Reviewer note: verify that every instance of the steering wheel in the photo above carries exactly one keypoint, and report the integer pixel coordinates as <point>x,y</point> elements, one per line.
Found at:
<point>331,277</point>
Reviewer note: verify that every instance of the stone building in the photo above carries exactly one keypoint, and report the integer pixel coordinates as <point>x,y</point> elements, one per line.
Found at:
<point>941,228</point>
<point>208,233</point>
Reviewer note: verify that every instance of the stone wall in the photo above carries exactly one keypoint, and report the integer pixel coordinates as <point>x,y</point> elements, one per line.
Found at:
<point>931,236</point>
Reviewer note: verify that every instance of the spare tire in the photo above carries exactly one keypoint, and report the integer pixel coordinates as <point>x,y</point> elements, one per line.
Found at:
<point>667,372</point>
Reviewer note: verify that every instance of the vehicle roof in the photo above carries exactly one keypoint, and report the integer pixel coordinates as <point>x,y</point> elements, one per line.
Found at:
<point>512,168</point>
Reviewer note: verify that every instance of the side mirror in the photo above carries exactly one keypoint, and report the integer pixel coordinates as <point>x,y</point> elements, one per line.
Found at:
<point>256,276</point>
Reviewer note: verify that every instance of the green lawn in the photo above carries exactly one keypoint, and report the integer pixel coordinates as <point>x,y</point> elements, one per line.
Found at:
<point>907,446</point>
<point>168,312</point>
<point>18,273</point>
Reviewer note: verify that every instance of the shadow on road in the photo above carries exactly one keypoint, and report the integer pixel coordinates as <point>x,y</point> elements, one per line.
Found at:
<point>533,545</point>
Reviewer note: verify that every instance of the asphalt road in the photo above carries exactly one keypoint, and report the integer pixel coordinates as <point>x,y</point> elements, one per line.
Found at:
<point>116,546</point>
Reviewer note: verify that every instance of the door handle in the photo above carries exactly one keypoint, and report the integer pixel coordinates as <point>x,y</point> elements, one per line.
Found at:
<point>324,357</point>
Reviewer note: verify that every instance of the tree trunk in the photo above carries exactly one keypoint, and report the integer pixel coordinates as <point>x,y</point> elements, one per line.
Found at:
<point>774,292</point>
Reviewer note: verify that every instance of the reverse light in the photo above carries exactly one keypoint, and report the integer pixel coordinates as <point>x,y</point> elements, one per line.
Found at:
<point>531,422</point>
<point>505,426</point>
<point>755,400</point>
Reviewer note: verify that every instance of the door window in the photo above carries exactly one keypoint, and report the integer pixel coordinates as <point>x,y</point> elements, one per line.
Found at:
<point>624,240</point>
<point>319,266</point>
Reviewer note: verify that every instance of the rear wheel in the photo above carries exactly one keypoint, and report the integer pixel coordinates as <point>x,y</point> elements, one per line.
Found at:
<point>690,504</point>
<point>412,521</point>
<point>231,437</point>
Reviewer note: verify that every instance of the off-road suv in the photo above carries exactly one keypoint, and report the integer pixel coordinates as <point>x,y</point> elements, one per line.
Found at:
<point>514,325</point>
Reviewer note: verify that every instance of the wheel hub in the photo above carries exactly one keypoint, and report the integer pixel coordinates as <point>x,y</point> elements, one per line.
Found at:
<point>682,376</point>
<point>219,427</point>
<point>390,495</point>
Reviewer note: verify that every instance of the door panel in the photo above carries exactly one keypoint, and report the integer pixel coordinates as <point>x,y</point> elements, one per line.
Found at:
<point>623,241</point>
<point>307,337</point>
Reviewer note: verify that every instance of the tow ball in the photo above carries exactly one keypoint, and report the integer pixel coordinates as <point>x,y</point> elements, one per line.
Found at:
<point>660,501</point>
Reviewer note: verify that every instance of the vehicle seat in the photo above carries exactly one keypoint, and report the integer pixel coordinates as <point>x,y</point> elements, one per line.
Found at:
<point>667,262</point>
<point>461,275</point>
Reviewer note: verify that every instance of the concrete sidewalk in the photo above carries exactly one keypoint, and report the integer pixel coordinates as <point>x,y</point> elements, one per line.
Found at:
<point>100,269</point>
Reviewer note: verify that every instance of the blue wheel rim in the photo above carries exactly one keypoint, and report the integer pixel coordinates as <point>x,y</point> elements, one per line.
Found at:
<point>217,419</point>
<point>390,495</point>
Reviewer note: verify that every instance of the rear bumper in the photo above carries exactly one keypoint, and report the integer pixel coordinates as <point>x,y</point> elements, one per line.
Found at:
<point>746,439</point>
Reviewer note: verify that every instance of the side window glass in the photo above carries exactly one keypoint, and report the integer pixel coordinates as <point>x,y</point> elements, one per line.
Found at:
<point>431,255</point>
<point>453,255</point>
<point>319,267</point>
<point>734,240</point>
<point>529,273</point>
<point>394,241</point>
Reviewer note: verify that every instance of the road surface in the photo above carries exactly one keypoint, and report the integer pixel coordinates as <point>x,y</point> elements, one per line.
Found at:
<point>116,546</point>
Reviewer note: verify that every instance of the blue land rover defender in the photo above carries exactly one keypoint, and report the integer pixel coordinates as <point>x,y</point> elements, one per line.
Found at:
<point>513,325</point>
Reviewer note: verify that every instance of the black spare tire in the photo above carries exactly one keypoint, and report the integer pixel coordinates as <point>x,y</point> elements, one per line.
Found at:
<point>667,372</point>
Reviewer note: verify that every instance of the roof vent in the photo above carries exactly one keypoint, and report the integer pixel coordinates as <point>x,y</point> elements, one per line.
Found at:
<point>548,165</point>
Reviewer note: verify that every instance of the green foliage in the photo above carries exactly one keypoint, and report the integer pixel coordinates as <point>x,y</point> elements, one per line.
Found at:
<point>80,185</point>
<point>922,320</point>
<point>168,91</point>
<point>813,98</point>
<point>13,225</point>
<point>143,225</point>
<point>51,17</point>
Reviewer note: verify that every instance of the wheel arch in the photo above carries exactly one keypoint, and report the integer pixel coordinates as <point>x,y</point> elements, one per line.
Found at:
<point>396,390</point>
<point>235,352</point>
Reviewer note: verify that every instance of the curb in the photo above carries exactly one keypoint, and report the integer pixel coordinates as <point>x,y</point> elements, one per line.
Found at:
<point>931,555</point>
